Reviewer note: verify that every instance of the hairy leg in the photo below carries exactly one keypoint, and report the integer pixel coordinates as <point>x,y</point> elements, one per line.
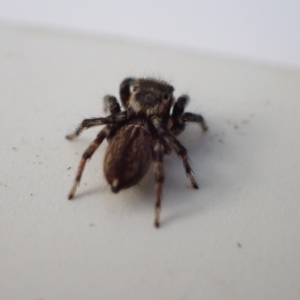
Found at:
<point>111,104</point>
<point>180,105</point>
<point>87,123</point>
<point>159,179</point>
<point>179,118</point>
<point>182,152</point>
<point>178,109</point>
<point>190,117</point>
<point>125,86</point>
<point>87,155</point>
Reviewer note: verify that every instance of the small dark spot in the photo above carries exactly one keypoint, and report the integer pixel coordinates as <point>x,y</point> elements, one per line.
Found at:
<point>40,163</point>
<point>239,245</point>
<point>236,126</point>
<point>69,168</point>
<point>31,194</point>
<point>14,148</point>
<point>92,224</point>
<point>221,141</point>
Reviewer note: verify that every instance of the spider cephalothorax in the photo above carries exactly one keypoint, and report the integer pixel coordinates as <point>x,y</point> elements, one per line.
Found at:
<point>139,135</point>
<point>151,98</point>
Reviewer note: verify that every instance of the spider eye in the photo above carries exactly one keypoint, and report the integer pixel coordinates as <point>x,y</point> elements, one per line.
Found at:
<point>135,88</point>
<point>166,96</point>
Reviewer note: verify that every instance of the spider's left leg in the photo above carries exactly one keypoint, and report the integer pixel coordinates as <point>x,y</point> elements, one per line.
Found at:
<point>111,104</point>
<point>88,123</point>
<point>182,152</point>
<point>159,178</point>
<point>87,155</point>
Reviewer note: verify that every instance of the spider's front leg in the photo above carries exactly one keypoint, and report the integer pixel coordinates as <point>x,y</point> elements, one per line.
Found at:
<point>179,118</point>
<point>87,123</point>
<point>159,178</point>
<point>111,104</point>
<point>125,92</point>
<point>190,117</point>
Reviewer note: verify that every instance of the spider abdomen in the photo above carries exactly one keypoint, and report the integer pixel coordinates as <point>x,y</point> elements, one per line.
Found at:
<point>128,157</point>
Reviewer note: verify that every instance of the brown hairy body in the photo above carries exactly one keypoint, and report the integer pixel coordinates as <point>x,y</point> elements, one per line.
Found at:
<point>128,156</point>
<point>139,135</point>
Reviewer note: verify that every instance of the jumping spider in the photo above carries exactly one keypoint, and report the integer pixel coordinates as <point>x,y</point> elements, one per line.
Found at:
<point>139,135</point>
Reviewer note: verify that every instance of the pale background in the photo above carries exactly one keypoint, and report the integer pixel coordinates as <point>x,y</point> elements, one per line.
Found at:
<point>235,238</point>
<point>262,30</point>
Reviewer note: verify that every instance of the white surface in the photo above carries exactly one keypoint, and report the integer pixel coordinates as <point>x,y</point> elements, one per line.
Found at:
<point>235,238</point>
<point>260,30</point>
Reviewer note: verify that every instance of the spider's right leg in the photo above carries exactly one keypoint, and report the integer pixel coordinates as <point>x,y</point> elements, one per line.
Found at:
<point>178,109</point>
<point>179,118</point>
<point>87,155</point>
<point>125,86</point>
<point>159,178</point>
<point>182,152</point>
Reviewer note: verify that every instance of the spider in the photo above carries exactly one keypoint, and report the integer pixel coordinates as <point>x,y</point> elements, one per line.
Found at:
<point>140,134</point>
